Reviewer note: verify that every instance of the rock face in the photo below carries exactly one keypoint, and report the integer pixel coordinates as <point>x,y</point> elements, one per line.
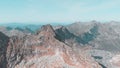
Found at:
<point>42,50</point>
<point>3,48</point>
<point>15,51</point>
<point>63,35</point>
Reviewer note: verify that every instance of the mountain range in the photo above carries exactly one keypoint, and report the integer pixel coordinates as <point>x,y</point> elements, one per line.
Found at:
<point>78,45</point>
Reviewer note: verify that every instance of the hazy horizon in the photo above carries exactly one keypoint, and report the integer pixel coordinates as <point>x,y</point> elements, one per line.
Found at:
<point>58,11</point>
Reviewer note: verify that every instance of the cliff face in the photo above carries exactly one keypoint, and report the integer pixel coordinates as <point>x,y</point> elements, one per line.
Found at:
<point>41,50</point>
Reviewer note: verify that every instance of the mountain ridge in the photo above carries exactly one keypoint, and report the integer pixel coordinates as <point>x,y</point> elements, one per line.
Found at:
<point>70,45</point>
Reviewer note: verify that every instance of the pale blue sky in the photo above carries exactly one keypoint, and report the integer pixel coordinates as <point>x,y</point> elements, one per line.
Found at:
<point>59,10</point>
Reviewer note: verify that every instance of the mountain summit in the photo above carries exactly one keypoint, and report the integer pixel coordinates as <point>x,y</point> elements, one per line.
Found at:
<point>46,30</point>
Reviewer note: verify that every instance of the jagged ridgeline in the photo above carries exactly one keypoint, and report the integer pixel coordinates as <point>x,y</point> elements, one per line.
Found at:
<point>78,45</point>
<point>42,50</point>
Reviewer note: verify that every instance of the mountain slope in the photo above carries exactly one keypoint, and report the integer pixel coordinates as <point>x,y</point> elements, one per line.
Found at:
<point>103,37</point>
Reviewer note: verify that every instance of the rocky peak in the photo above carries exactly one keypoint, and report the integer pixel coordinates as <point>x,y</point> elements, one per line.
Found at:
<point>64,29</point>
<point>47,31</point>
<point>62,33</point>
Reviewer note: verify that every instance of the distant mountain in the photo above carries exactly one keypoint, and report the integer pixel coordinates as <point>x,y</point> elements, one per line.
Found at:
<point>31,27</point>
<point>103,37</point>
<point>28,27</point>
